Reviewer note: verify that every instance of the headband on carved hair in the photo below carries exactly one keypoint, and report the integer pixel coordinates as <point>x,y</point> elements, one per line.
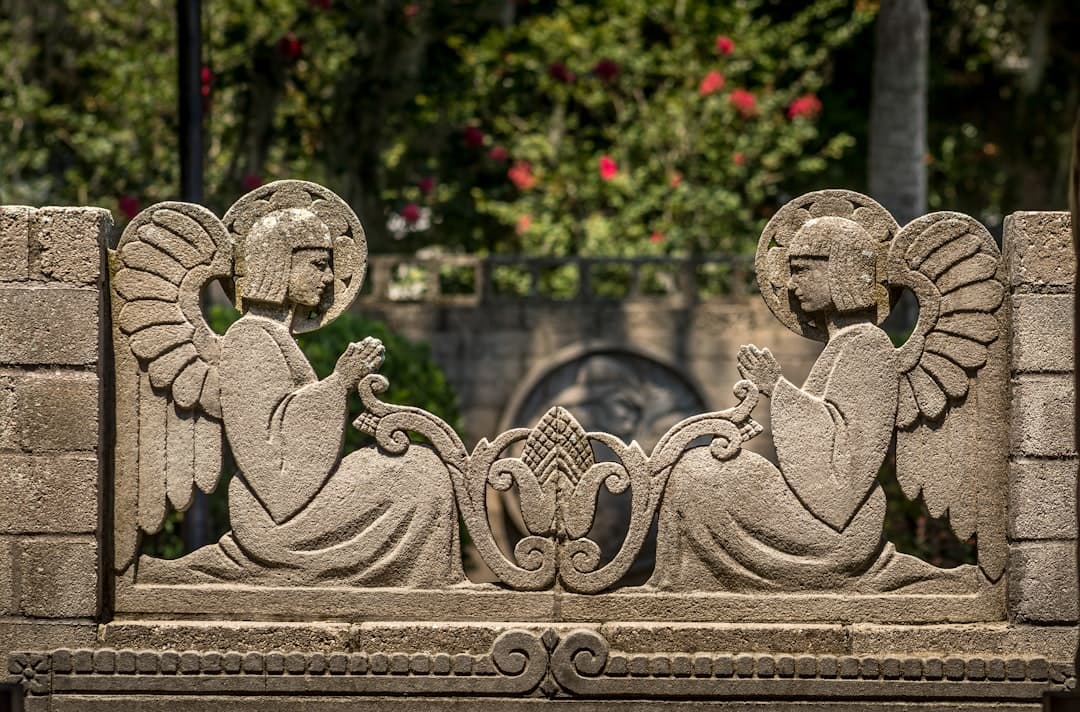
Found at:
<point>289,201</point>
<point>849,228</point>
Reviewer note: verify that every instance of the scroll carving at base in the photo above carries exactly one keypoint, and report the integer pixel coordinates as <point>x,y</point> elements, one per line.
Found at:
<point>578,663</point>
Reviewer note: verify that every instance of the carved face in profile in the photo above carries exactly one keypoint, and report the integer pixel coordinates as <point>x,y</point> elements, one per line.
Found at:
<point>310,278</point>
<point>810,283</point>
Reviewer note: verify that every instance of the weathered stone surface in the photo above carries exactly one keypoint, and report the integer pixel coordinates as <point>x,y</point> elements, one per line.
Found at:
<point>9,602</point>
<point>48,494</point>
<point>1042,332</point>
<point>991,639</point>
<point>219,635</point>
<point>1039,248</point>
<point>66,243</point>
<point>48,326</point>
<point>56,410</point>
<point>58,577</point>
<point>1041,418</point>
<point>1042,582</point>
<point>14,242</point>
<point>1042,499</point>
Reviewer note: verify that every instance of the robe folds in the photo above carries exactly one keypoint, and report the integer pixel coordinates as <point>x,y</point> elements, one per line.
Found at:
<point>816,522</point>
<point>300,514</point>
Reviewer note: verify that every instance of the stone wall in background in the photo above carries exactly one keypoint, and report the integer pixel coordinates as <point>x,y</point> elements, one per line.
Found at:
<point>498,349</point>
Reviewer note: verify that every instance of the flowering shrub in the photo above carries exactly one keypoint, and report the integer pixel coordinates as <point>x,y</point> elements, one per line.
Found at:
<point>642,128</point>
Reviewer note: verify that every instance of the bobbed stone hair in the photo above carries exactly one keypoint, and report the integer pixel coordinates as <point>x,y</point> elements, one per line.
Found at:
<point>852,254</point>
<point>268,248</point>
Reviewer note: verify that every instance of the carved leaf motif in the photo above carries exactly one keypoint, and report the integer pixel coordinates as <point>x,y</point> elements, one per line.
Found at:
<point>558,452</point>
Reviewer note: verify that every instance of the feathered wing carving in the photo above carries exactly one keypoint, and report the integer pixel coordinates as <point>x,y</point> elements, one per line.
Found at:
<point>168,429</point>
<point>952,378</point>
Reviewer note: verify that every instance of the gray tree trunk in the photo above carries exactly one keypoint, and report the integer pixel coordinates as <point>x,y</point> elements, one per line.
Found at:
<point>897,160</point>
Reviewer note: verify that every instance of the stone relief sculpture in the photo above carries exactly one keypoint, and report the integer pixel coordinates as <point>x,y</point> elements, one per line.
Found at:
<point>300,513</point>
<point>387,516</point>
<point>825,265</point>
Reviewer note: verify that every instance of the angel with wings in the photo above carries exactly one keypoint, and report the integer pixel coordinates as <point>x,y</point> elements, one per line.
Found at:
<point>293,254</point>
<point>827,263</point>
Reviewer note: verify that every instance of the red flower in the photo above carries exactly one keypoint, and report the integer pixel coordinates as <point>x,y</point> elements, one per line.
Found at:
<point>724,44</point>
<point>738,158</point>
<point>559,72</point>
<point>498,153</point>
<point>676,180</point>
<point>411,10</point>
<point>290,47</point>
<point>411,213</point>
<point>426,184</point>
<point>129,206</point>
<point>321,4</point>
<point>206,80</point>
<point>608,167</point>
<point>474,137</point>
<point>252,181</point>
<point>606,70</point>
<point>656,237</point>
<point>713,82</point>
<point>521,175</point>
<point>523,224</point>
<point>744,102</point>
<point>806,105</point>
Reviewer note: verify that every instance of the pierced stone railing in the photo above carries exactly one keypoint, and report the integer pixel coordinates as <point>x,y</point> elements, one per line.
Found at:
<point>469,279</point>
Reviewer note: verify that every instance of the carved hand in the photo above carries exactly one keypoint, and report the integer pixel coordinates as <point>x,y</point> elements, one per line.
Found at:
<point>759,366</point>
<point>359,360</point>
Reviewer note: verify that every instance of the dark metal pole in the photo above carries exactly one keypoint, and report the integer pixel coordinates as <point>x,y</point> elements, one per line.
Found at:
<point>189,64</point>
<point>196,525</point>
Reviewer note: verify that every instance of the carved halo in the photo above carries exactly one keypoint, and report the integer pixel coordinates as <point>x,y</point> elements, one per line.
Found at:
<point>349,254</point>
<point>771,261</point>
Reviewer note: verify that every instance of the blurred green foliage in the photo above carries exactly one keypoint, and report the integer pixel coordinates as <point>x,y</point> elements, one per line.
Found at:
<point>415,379</point>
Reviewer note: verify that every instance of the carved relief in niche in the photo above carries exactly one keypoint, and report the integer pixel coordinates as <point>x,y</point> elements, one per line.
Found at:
<point>302,514</point>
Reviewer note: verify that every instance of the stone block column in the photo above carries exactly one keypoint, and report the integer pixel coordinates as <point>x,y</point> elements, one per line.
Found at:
<point>1042,522</point>
<point>51,436</point>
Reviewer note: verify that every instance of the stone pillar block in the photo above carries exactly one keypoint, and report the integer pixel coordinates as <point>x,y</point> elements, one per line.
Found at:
<point>1042,499</point>
<point>66,244</point>
<point>1042,339</point>
<point>14,242</point>
<point>48,326</point>
<point>1042,582</point>
<point>56,411</point>
<point>1038,249</point>
<point>42,494</point>
<point>9,604</point>
<point>58,577</point>
<point>1042,416</point>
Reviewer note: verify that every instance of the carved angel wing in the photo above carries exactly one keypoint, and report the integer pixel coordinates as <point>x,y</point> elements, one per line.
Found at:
<point>168,429</point>
<point>943,443</point>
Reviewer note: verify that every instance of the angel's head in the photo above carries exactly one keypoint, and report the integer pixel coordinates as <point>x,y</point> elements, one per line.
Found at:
<point>833,263</point>
<point>287,258</point>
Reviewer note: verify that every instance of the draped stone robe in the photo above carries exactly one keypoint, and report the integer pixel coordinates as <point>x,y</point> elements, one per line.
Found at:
<point>300,514</point>
<point>816,523</point>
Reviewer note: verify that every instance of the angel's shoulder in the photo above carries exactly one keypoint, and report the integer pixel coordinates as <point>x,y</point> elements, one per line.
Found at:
<point>250,334</point>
